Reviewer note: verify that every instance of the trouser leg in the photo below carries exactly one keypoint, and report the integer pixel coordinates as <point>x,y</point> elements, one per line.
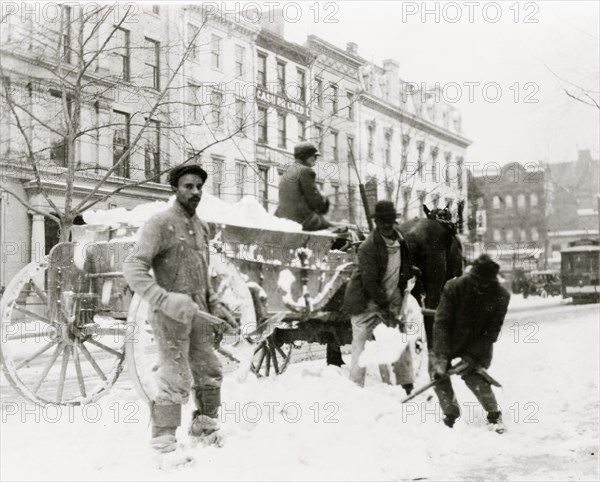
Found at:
<point>361,332</point>
<point>445,393</point>
<point>483,392</point>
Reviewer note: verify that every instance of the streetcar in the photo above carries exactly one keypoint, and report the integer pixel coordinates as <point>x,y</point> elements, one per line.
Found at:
<point>580,271</point>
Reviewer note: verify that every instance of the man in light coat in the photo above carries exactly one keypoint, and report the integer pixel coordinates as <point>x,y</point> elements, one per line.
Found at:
<point>174,245</point>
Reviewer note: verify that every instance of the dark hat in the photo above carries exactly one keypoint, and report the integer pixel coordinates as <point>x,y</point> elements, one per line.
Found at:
<point>385,210</point>
<point>485,268</point>
<point>179,171</point>
<point>304,150</point>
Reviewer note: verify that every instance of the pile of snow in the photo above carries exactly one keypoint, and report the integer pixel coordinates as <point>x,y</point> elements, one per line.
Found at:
<point>312,423</point>
<point>247,212</point>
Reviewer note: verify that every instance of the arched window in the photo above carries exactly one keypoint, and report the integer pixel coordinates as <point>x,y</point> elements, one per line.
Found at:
<point>480,203</point>
<point>496,202</point>
<point>521,200</point>
<point>534,234</point>
<point>509,236</point>
<point>533,198</point>
<point>509,201</point>
<point>523,235</point>
<point>497,235</point>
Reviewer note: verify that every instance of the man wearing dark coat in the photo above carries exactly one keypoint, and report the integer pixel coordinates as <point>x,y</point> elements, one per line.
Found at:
<point>467,323</point>
<point>375,291</point>
<point>299,197</point>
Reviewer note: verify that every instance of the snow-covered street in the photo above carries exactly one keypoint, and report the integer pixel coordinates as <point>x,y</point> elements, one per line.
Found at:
<point>313,424</point>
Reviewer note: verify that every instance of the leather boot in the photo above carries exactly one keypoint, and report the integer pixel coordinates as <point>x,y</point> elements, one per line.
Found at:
<point>165,420</point>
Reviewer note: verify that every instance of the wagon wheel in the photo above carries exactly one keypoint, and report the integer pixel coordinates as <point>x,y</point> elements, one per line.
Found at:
<point>53,357</point>
<point>271,357</point>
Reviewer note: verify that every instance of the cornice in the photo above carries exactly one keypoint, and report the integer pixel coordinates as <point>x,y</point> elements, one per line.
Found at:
<point>373,102</point>
<point>272,42</point>
<point>317,44</point>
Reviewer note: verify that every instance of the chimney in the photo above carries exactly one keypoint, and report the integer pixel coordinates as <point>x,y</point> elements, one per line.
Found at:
<point>276,24</point>
<point>352,48</point>
<point>584,155</point>
<point>391,65</point>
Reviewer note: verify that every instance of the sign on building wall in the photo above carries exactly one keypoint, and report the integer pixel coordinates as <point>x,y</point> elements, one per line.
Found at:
<point>282,102</point>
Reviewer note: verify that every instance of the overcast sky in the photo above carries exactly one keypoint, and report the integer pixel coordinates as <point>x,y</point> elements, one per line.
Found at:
<point>512,50</point>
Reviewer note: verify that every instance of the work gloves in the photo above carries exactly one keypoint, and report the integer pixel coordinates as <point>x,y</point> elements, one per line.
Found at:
<point>180,307</point>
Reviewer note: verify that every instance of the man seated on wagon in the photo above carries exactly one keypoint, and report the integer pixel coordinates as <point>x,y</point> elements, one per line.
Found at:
<point>299,197</point>
<point>376,290</point>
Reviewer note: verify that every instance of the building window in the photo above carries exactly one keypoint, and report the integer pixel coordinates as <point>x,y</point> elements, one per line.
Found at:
<point>215,51</point>
<point>350,144</point>
<point>301,130</point>
<point>336,196</point>
<point>281,130</point>
<point>193,103</point>
<point>420,149</point>
<point>334,146</point>
<point>523,235</point>
<point>281,77</point>
<point>262,125</point>
<point>152,151</point>
<point>389,190</point>
<point>261,70</point>
<point>509,236</point>
<point>350,97</point>
<point>319,138</point>
<point>388,148</point>
<point>480,203</point>
<point>459,178</point>
<point>193,42</point>
<point>301,84</point>
<point>508,200</point>
<point>496,202</point>
<point>448,158</point>
<point>422,195</point>
<point>263,187</point>
<point>240,114</point>
<point>66,33</point>
<point>370,141</point>
<point>319,91</point>
<point>521,200</point>
<point>121,50</point>
<point>240,57</point>
<point>217,109</point>
<point>535,235</point>
<point>497,235</point>
<point>405,201</point>
<point>121,142</point>
<point>152,49</point>
<point>240,178</point>
<point>434,154</point>
<point>334,97</point>
<point>405,146</point>
<point>533,199</point>
<point>217,177</point>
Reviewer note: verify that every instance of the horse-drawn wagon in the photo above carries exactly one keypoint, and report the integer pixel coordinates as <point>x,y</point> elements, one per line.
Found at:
<point>70,323</point>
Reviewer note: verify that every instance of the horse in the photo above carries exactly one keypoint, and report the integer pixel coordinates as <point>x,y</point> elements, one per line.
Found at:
<point>437,251</point>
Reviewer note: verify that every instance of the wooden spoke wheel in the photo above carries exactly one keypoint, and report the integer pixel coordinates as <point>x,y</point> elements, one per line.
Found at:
<point>271,357</point>
<point>54,348</point>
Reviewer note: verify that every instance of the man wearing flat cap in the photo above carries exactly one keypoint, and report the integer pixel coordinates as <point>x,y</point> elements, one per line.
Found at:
<point>376,288</point>
<point>174,245</point>
<point>467,323</point>
<point>299,197</point>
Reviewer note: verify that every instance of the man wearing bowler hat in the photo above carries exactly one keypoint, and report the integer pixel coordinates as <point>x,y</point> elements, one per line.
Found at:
<point>174,245</point>
<point>299,197</point>
<point>376,288</point>
<point>467,323</point>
